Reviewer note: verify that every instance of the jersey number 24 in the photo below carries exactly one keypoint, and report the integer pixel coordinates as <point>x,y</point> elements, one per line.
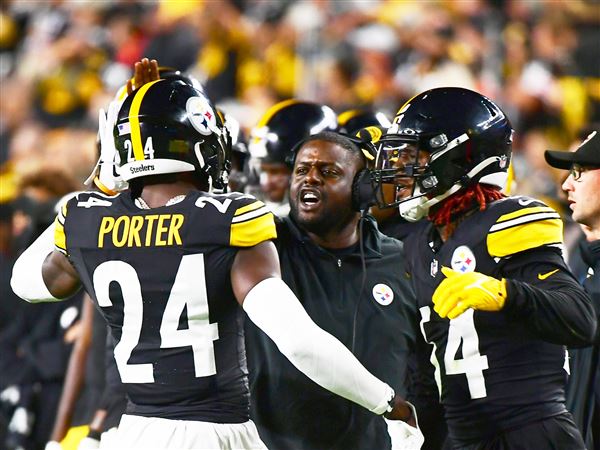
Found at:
<point>199,335</point>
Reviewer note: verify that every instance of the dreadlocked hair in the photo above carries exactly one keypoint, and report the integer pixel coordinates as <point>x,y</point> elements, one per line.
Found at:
<point>477,195</point>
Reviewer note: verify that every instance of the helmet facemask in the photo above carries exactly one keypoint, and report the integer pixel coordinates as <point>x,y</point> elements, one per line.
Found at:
<point>422,171</point>
<point>402,176</point>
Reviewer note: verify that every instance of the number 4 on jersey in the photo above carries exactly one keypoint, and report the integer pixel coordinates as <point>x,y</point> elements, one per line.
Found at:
<point>472,364</point>
<point>462,329</point>
<point>200,334</point>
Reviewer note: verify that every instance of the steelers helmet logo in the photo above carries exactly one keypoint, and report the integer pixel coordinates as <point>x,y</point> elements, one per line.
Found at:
<point>463,260</point>
<point>383,294</point>
<point>202,116</point>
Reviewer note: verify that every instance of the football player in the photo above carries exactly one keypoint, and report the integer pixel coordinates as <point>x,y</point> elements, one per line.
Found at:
<point>104,178</point>
<point>496,299</point>
<point>168,262</point>
<point>272,142</point>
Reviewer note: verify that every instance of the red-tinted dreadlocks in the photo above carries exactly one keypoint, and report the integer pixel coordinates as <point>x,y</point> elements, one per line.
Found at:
<point>463,201</point>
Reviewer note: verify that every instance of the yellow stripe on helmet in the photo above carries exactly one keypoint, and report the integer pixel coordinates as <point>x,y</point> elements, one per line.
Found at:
<point>344,117</point>
<point>274,109</point>
<point>405,106</point>
<point>134,121</point>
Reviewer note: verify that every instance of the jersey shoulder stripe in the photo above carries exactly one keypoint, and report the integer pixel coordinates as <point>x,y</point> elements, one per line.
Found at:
<point>250,214</point>
<point>85,199</point>
<point>251,224</point>
<point>524,224</point>
<point>60,238</point>
<point>251,207</point>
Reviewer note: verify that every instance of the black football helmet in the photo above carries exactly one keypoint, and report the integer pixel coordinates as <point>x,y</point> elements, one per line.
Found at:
<point>172,73</point>
<point>441,141</point>
<point>284,125</point>
<point>353,120</point>
<point>167,126</point>
<point>104,172</point>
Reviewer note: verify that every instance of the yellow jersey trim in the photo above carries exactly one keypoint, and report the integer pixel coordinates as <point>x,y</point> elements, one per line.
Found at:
<point>524,212</point>
<point>251,207</point>
<point>525,236</point>
<point>60,239</point>
<point>253,231</point>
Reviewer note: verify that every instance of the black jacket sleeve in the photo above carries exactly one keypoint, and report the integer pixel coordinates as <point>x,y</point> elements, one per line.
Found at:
<point>542,292</point>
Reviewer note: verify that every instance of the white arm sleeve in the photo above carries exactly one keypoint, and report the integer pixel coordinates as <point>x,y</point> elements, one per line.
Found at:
<point>274,308</point>
<point>26,280</point>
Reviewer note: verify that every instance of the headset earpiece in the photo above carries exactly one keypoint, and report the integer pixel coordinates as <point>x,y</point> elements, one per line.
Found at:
<point>363,192</point>
<point>290,159</point>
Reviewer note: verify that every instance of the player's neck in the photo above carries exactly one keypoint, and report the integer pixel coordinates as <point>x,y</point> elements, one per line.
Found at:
<point>157,195</point>
<point>593,234</point>
<point>447,230</point>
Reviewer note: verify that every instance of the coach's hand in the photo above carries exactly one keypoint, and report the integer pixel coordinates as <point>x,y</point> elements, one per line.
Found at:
<point>403,426</point>
<point>460,291</point>
<point>144,71</point>
<point>402,410</point>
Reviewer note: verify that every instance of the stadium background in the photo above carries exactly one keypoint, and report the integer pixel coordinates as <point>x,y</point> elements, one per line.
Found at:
<point>60,61</point>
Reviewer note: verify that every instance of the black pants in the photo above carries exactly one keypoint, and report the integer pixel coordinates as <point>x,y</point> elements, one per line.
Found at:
<point>554,433</point>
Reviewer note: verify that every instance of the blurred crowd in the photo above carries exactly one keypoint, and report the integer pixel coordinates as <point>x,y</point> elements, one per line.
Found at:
<point>60,61</point>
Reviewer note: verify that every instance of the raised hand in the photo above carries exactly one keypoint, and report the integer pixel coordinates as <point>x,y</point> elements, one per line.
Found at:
<point>460,291</point>
<point>144,71</point>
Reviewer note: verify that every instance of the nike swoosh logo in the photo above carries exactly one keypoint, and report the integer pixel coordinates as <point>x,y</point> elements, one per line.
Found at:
<point>543,276</point>
<point>525,202</point>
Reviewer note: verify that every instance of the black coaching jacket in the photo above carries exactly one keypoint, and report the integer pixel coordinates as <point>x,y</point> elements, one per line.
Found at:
<point>371,310</point>
<point>583,388</point>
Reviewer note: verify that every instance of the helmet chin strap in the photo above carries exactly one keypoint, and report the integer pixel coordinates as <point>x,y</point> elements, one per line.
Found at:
<point>417,207</point>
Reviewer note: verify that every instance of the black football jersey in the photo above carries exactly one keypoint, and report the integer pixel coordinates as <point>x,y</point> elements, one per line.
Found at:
<point>493,369</point>
<point>161,278</point>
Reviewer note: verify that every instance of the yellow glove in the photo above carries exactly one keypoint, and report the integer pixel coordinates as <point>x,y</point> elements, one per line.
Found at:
<point>460,291</point>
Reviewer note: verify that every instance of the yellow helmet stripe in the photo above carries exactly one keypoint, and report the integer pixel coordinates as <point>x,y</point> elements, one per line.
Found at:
<point>344,117</point>
<point>406,104</point>
<point>134,121</point>
<point>274,109</point>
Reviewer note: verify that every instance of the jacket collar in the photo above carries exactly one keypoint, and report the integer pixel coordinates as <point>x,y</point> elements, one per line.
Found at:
<point>371,237</point>
<point>590,253</point>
